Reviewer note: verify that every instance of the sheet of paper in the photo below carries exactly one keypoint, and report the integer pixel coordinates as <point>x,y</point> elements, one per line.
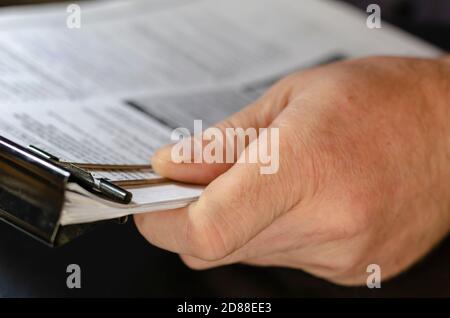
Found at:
<point>149,45</point>
<point>110,131</point>
<point>145,50</point>
<point>95,131</point>
<point>113,131</point>
<point>127,177</point>
<point>211,103</point>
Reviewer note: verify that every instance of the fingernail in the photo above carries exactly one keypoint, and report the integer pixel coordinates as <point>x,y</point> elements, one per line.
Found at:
<point>161,159</point>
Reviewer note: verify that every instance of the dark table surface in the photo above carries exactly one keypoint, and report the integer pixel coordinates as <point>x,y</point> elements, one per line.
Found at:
<point>116,261</point>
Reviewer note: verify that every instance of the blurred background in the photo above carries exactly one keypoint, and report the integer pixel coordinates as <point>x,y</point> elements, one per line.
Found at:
<point>428,19</point>
<point>29,269</point>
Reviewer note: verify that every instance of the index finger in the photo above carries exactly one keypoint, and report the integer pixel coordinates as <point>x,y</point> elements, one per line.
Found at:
<point>233,209</point>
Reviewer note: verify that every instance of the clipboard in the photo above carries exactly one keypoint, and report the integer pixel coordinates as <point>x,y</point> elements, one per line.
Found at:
<point>33,187</point>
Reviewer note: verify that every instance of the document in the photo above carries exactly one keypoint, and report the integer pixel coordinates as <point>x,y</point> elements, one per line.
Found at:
<point>127,47</point>
<point>112,91</point>
<point>96,131</point>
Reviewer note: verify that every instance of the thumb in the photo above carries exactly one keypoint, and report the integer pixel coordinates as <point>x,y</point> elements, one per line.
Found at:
<point>233,209</point>
<point>257,115</point>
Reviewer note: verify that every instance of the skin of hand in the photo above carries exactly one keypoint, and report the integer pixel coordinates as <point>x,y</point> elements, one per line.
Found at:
<point>364,176</point>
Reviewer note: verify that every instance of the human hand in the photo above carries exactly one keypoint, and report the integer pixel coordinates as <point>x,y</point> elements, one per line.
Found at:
<point>364,176</point>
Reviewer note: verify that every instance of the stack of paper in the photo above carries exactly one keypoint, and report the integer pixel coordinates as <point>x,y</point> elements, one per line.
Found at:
<point>83,206</point>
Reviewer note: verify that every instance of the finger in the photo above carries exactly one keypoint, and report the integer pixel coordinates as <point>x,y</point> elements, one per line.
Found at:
<point>220,222</point>
<point>195,173</point>
<point>233,209</point>
<point>278,238</point>
<point>236,206</point>
<point>257,115</point>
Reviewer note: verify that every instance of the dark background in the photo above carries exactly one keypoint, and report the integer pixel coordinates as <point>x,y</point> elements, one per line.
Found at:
<point>116,261</point>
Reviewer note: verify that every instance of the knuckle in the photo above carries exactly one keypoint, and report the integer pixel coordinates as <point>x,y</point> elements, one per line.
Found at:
<point>346,217</point>
<point>143,225</point>
<point>352,231</point>
<point>284,82</point>
<point>193,263</point>
<point>339,84</point>
<point>356,218</point>
<point>207,236</point>
<point>226,123</point>
<point>347,263</point>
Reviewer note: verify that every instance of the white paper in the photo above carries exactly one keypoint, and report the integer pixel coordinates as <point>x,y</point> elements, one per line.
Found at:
<point>95,131</point>
<point>147,46</point>
<point>84,207</point>
<point>128,176</point>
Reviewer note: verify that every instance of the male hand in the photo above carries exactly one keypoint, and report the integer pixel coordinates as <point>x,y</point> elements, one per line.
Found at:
<point>364,176</point>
